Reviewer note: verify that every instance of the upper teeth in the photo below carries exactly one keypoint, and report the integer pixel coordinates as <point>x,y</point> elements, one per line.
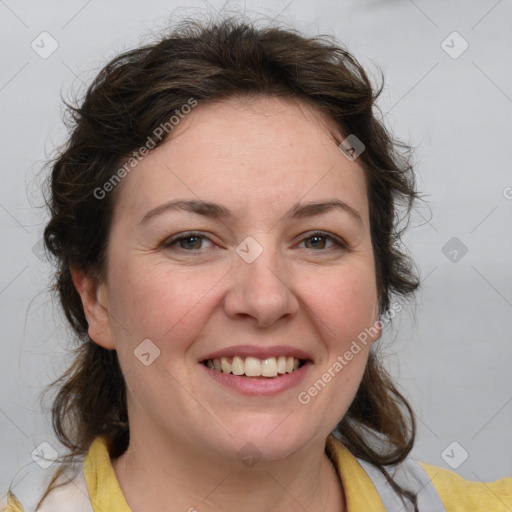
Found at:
<point>254,367</point>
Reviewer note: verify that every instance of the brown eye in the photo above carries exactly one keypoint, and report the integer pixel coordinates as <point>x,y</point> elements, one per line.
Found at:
<point>319,241</point>
<point>191,243</point>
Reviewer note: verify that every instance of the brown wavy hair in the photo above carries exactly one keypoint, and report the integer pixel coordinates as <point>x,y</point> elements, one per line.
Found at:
<point>142,88</point>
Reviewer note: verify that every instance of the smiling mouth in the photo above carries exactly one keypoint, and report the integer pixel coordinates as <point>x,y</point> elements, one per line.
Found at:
<point>253,367</point>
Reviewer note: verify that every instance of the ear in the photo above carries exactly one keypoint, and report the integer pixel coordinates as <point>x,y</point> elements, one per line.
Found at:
<point>376,327</point>
<point>95,303</point>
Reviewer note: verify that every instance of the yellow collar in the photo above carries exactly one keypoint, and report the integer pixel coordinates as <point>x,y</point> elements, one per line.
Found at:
<point>360,492</point>
<point>105,493</point>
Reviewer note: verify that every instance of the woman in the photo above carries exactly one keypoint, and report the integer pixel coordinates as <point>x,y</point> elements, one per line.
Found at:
<point>223,220</point>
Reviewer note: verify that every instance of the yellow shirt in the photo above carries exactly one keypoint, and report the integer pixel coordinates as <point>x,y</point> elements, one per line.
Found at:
<point>457,494</point>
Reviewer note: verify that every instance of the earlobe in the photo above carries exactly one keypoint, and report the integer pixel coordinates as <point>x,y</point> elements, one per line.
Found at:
<point>376,328</point>
<point>95,304</point>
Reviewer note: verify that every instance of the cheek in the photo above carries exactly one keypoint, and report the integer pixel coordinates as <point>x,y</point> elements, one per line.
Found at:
<point>344,302</point>
<point>162,304</point>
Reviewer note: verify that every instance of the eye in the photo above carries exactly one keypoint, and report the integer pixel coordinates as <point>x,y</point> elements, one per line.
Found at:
<point>195,242</point>
<point>319,240</point>
<point>190,242</point>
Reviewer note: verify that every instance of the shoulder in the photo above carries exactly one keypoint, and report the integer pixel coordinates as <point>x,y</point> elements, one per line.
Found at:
<point>74,486</point>
<point>436,488</point>
<point>10,503</point>
<point>461,495</point>
<point>27,489</point>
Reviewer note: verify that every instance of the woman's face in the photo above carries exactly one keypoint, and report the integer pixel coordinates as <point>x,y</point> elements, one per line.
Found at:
<point>264,275</point>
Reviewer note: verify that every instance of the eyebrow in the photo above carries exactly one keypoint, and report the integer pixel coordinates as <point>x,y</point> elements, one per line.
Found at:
<point>217,211</point>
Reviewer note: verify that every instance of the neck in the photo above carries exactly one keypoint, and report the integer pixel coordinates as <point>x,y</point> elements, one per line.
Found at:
<point>163,475</point>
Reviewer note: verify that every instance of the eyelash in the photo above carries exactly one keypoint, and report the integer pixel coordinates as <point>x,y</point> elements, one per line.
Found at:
<point>338,242</point>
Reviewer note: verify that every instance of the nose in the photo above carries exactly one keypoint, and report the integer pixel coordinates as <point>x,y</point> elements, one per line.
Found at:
<point>261,290</point>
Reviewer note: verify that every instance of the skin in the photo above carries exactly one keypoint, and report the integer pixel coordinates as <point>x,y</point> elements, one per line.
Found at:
<point>257,157</point>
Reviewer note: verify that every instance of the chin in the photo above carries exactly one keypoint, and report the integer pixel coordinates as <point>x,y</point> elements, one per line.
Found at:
<point>267,441</point>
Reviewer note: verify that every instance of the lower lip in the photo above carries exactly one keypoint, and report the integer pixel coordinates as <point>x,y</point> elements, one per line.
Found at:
<point>257,386</point>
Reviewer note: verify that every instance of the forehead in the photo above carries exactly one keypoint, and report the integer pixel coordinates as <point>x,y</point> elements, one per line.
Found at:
<point>250,153</point>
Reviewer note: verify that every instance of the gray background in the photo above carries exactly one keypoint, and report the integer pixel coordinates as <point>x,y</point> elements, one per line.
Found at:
<point>453,360</point>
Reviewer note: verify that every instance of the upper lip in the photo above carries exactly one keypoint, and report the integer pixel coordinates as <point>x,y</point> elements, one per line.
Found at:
<point>258,352</point>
